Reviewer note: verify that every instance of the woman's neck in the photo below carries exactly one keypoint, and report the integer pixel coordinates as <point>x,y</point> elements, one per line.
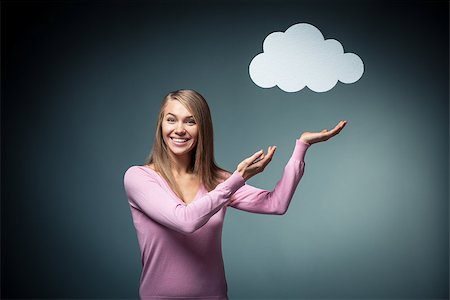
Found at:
<point>181,165</point>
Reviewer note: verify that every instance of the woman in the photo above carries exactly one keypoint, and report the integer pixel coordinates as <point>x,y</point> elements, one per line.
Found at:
<point>178,199</point>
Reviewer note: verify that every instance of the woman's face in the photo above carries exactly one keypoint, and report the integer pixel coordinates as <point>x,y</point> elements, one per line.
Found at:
<point>179,129</point>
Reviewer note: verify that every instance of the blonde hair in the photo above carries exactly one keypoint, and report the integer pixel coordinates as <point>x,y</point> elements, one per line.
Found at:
<point>203,163</point>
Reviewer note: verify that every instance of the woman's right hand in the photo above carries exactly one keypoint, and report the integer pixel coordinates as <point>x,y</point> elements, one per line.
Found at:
<point>256,163</point>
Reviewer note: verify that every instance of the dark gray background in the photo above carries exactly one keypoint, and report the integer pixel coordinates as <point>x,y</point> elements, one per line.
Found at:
<point>81,87</point>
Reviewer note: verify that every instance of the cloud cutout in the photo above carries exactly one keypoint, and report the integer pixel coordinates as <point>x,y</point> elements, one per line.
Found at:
<point>301,57</point>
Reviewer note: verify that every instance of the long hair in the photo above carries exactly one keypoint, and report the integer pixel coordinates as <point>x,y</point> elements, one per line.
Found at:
<point>203,163</point>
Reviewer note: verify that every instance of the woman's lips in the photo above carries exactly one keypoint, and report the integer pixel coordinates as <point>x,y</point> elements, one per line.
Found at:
<point>179,141</point>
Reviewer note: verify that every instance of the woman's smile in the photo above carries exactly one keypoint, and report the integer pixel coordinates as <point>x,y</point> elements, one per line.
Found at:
<point>179,141</point>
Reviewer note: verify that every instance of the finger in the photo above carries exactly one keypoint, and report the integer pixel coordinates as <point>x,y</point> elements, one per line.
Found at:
<point>263,159</point>
<point>334,132</point>
<point>337,128</point>
<point>272,152</point>
<point>254,156</point>
<point>342,124</point>
<point>268,158</point>
<point>253,160</point>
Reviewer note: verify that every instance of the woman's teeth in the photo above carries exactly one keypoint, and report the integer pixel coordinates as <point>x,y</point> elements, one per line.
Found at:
<point>179,140</point>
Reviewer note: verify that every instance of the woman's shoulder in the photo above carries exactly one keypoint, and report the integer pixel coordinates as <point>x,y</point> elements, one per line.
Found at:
<point>149,166</point>
<point>140,170</point>
<point>137,177</point>
<point>145,167</point>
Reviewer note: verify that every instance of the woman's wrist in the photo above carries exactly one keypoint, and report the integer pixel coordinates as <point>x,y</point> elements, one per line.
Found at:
<point>241,173</point>
<point>304,141</point>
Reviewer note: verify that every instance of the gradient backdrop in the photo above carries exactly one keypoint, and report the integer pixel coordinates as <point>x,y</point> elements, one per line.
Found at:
<point>81,87</point>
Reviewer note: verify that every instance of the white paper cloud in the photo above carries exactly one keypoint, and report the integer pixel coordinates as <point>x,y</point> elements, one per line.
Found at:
<point>301,57</point>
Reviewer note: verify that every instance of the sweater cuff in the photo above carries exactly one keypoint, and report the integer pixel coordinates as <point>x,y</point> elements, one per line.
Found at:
<point>300,150</point>
<point>235,182</point>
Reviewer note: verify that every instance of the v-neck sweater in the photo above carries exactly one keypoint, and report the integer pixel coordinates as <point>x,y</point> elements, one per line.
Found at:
<point>181,250</point>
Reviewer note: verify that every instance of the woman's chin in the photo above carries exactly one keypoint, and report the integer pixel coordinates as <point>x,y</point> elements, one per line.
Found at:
<point>180,152</point>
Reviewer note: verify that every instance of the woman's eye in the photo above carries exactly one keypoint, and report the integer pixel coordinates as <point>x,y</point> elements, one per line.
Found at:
<point>190,122</point>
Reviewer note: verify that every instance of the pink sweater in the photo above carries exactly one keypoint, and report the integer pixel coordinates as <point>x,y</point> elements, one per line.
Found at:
<point>180,244</point>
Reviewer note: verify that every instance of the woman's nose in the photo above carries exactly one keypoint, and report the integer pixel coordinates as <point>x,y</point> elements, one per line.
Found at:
<point>180,129</point>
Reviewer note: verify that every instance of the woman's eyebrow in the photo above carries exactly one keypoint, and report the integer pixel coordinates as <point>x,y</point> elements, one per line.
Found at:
<point>176,115</point>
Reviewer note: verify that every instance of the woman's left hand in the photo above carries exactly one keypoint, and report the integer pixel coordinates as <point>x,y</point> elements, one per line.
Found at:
<point>316,137</point>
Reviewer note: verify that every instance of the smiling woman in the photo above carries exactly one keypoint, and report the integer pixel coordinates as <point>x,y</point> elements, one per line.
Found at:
<point>179,131</point>
<point>183,149</point>
<point>178,199</point>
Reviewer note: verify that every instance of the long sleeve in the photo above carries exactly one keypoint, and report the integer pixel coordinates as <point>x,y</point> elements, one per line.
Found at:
<point>256,200</point>
<point>146,194</point>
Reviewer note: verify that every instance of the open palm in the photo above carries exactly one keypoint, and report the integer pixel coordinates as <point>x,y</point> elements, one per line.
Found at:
<point>316,137</point>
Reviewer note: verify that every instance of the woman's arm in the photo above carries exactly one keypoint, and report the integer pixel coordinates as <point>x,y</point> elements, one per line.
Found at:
<point>146,194</point>
<point>277,201</point>
<point>256,200</point>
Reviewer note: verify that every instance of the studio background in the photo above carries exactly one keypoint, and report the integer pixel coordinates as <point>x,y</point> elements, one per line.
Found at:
<point>81,87</point>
